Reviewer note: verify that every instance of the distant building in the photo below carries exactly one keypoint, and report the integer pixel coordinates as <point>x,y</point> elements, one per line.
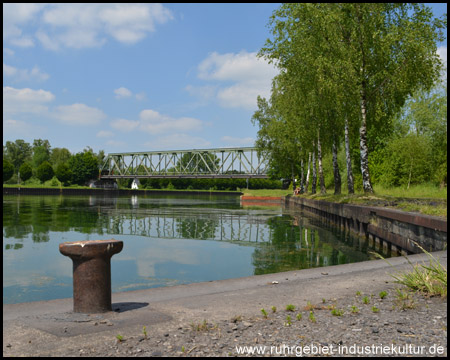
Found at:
<point>135,184</point>
<point>103,184</point>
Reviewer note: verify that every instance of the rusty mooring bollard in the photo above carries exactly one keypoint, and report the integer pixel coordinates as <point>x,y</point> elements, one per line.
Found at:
<point>91,273</point>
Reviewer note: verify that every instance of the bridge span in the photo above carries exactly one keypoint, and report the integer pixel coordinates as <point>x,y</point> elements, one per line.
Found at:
<point>243,162</point>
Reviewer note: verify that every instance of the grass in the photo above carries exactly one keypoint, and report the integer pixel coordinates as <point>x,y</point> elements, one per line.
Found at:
<point>264,312</point>
<point>290,307</point>
<point>426,198</point>
<point>428,279</point>
<point>404,300</point>
<point>266,192</point>
<point>203,327</point>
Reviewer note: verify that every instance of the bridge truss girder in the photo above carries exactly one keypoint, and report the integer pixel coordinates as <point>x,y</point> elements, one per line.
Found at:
<point>199,163</point>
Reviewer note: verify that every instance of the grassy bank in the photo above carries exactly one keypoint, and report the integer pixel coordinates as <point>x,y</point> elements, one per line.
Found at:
<point>425,199</point>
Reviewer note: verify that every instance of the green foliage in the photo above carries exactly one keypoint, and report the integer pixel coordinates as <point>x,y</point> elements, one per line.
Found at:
<point>17,152</point>
<point>63,173</point>
<point>84,167</point>
<point>360,62</point>
<point>337,312</point>
<point>59,156</point>
<point>430,279</point>
<point>44,172</point>
<point>264,312</point>
<point>8,170</point>
<point>41,153</point>
<point>25,171</point>
<point>406,162</point>
<point>290,307</point>
<point>312,318</point>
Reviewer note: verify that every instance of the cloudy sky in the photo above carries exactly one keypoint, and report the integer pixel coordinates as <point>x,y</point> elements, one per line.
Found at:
<point>136,77</point>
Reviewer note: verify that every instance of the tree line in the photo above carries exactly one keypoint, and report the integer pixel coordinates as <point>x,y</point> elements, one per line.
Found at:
<point>22,161</point>
<point>360,79</point>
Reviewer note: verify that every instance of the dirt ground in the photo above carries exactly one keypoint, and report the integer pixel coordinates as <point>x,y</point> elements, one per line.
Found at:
<point>345,310</point>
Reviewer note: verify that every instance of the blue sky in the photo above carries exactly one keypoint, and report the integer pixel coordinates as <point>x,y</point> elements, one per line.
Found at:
<point>136,77</point>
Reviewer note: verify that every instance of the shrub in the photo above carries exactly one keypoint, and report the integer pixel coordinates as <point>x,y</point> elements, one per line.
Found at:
<point>84,166</point>
<point>63,173</point>
<point>25,171</point>
<point>44,172</point>
<point>8,170</point>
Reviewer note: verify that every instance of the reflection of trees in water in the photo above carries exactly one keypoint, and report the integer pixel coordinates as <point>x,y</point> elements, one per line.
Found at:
<point>303,246</point>
<point>38,215</point>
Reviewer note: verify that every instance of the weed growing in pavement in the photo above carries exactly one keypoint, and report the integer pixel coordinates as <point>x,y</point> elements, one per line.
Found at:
<point>299,316</point>
<point>355,310</point>
<point>312,318</point>
<point>119,337</point>
<point>202,326</point>
<point>337,312</point>
<point>274,309</point>
<point>144,331</point>
<point>383,294</point>
<point>429,279</point>
<point>264,312</point>
<point>290,307</point>
<point>288,321</point>
<point>375,309</point>
<point>310,306</point>
<point>366,300</point>
<point>404,300</point>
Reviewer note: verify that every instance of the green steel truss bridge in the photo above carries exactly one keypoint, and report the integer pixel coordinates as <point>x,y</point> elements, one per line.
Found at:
<point>244,162</point>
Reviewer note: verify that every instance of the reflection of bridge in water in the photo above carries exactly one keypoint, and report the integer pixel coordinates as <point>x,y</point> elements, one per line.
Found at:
<point>244,162</point>
<point>168,224</point>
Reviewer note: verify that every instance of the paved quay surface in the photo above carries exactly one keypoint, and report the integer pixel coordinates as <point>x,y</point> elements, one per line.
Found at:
<point>50,328</point>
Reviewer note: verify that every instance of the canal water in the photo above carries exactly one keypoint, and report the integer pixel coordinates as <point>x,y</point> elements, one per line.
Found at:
<point>168,240</point>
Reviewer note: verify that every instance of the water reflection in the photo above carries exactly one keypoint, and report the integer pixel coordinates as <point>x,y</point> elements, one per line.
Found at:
<point>167,240</point>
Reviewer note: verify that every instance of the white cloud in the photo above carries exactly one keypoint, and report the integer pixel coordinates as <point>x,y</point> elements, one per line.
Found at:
<point>78,114</point>
<point>104,134</point>
<point>140,96</point>
<point>124,125</point>
<point>24,74</point>
<point>25,100</point>
<point>16,127</point>
<point>249,76</point>
<point>155,123</point>
<point>19,129</point>
<point>80,25</point>
<point>122,93</point>
<point>15,16</point>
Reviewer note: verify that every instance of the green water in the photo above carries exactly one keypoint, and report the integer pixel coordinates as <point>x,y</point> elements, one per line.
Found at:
<point>168,240</point>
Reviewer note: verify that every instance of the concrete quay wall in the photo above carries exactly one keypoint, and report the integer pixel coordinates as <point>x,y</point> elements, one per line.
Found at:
<point>398,230</point>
